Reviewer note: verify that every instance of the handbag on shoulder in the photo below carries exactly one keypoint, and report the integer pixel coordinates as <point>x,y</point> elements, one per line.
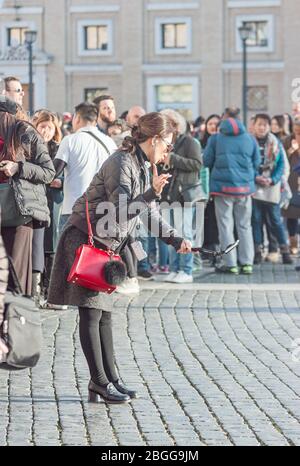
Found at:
<point>21,329</point>
<point>11,215</point>
<point>95,268</point>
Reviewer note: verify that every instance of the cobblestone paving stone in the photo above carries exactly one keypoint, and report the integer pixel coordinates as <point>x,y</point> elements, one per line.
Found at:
<point>213,366</point>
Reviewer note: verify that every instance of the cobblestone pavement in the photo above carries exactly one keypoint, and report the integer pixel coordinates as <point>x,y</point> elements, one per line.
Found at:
<point>213,365</point>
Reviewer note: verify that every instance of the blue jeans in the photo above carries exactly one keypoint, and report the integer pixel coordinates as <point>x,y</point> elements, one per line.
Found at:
<point>144,265</point>
<point>163,253</point>
<point>276,225</point>
<point>182,220</point>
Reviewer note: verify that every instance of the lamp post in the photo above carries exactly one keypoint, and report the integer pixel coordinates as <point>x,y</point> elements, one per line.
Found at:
<point>30,38</point>
<point>244,31</point>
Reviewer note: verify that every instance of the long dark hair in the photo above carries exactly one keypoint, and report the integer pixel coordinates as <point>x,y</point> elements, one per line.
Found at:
<point>281,123</point>
<point>206,134</point>
<point>11,128</point>
<point>150,125</point>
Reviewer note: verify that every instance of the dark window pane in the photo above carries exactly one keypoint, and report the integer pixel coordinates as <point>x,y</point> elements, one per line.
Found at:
<point>96,37</point>
<point>91,93</point>
<point>174,35</point>
<point>257,98</point>
<point>258,35</point>
<point>16,36</point>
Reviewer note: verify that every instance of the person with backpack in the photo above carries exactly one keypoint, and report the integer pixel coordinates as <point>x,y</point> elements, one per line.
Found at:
<point>81,155</point>
<point>233,157</point>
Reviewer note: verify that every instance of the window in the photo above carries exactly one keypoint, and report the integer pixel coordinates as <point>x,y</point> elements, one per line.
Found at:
<point>261,37</point>
<point>91,93</point>
<point>259,33</point>
<point>178,96</point>
<point>95,38</point>
<point>257,98</point>
<point>173,35</point>
<point>16,36</point>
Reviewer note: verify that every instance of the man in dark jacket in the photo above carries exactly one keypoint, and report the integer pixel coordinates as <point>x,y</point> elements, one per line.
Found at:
<point>233,158</point>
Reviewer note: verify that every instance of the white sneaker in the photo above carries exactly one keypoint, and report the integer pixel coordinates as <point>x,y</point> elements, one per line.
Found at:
<point>170,277</point>
<point>129,286</point>
<point>183,277</point>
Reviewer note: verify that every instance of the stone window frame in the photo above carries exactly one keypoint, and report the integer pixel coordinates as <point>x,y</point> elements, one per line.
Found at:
<point>81,25</point>
<point>17,25</point>
<point>152,82</point>
<point>269,18</point>
<point>159,21</point>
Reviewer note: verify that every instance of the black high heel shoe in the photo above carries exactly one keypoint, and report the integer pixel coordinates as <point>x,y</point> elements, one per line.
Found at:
<point>108,393</point>
<point>122,389</point>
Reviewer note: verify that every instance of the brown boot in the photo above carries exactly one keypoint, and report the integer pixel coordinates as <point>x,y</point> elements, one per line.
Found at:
<point>294,245</point>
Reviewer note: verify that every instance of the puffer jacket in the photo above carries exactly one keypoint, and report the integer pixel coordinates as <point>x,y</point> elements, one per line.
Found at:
<point>233,157</point>
<point>123,187</point>
<point>34,173</point>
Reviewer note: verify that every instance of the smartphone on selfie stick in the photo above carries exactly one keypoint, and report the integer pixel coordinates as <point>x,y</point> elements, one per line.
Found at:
<point>217,253</point>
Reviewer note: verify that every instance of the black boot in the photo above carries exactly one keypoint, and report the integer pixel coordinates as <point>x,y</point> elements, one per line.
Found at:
<point>258,255</point>
<point>107,392</point>
<point>286,258</point>
<point>285,254</point>
<point>122,389</point>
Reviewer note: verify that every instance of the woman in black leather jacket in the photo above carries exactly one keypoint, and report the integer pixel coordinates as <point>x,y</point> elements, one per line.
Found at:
<point>118,194</point>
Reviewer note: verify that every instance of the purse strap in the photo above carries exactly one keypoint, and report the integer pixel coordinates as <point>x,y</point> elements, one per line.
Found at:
<point>88,219</point>
<point>97,139</point>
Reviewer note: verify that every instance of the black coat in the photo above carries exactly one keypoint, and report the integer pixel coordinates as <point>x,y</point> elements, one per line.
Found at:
<point>127,175</point>
<point>35,172</point>
<point>185,165</point>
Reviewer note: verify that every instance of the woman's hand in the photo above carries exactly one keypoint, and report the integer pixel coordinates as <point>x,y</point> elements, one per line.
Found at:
<point>3,349</point>
<point>57,183</point>
<point>159,182</point>
<point>185,248</point>
<point>294,145</point>
<point>9,168</point>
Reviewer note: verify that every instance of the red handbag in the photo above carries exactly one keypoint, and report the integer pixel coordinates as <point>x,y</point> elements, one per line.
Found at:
<point>94,268</point>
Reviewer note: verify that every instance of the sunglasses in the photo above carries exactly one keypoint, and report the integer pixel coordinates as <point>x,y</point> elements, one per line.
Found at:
<point>169,145</point>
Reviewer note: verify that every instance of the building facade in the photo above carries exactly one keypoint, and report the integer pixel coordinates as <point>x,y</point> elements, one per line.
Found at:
<point>169,53</point>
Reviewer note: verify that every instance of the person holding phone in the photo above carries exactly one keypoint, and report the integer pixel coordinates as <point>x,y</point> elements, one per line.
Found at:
<point>119,195</point>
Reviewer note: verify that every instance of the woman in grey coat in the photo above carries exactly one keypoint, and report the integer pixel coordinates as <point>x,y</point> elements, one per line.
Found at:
<point>119,194</point>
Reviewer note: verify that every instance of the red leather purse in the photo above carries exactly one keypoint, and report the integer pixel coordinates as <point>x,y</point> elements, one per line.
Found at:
<point>95,268</point>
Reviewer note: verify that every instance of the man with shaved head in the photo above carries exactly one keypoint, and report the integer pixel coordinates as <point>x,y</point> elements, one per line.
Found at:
<point>134,114</point>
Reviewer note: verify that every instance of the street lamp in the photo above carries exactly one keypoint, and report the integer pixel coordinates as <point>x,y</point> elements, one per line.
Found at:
<point>30,38</point>
<point>244,31</point>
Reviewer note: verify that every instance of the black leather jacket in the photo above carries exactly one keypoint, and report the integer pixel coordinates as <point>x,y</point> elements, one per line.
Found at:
<point>124,183</point>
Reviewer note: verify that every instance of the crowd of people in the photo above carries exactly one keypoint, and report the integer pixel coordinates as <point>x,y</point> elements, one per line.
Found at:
<point>202,183</point>
<point>226,182</point>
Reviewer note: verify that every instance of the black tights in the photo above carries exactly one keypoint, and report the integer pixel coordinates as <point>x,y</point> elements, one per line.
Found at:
<point>95,331</point>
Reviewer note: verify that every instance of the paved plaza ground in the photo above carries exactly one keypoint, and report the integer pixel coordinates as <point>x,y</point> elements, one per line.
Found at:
<point>213,362</point>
